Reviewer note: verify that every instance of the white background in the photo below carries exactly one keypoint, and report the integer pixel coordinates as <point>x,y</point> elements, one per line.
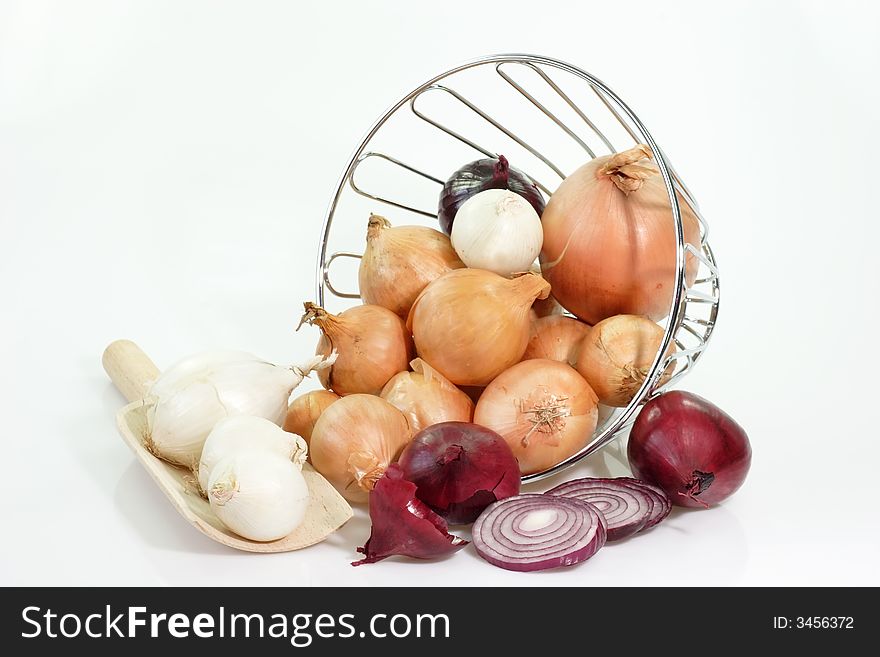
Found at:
<point>164,168</point>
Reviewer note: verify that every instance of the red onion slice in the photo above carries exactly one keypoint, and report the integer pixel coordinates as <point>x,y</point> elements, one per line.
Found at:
<point>662,503</point>
<point>626,507</point>
<point>535,532</point>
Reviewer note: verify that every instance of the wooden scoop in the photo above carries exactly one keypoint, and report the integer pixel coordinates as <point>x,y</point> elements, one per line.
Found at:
<point>132,371</point>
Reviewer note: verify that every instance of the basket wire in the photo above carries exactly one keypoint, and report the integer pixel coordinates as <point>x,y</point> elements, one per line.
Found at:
<point>694,308</point>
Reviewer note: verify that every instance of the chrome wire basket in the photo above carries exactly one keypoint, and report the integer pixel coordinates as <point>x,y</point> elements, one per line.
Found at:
<point>548,118</point>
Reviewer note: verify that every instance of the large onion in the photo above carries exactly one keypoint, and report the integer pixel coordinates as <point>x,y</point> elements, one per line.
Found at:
<point>371,342</point>
<point>690,448</point>
<point>544,409</point>
<point>609,239</point>
<point>426,397</point>
<point>471,324</point>
<point>355,440</point>
<point>400,261</point>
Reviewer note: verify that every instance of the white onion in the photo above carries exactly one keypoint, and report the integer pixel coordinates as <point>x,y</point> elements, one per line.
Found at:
<point>499,231</point>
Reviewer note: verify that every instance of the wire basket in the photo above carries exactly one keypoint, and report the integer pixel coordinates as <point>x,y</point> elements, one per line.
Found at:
<point>548,118</point>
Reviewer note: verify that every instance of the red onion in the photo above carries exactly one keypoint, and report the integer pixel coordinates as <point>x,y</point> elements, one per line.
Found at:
<point>536,532</point>
<point>690,448</point>
<point>459,469</point>
<point>478,176</point>
<point>626,506</point>
<point>403,525</point>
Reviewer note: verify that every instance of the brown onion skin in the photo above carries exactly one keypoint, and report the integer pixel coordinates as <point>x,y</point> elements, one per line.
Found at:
<point>355,440</point>
<point>304,411</point>
<point>471,324</point>
<point>426,399</point>
<point>556,337</point>
<point>372,345</point>
<point>608,253</point>
<point>679,440</point>
<point>616,354</point>
<point>400,261</point>
<point>533,384</point>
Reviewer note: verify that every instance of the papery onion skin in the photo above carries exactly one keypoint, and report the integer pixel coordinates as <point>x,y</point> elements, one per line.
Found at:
<point>247,433</point>
<point>399,261</point>
<point>426,397</point>
<point>690,448</point>
<point>260,496</point>
<point>372,345</point>
<point>355,440</point>
<point>304,411</point>
<point>471,324</point>
<point>478,176</point>
<point>544,409</point>
<point>609,239</point>
<point>403,525</point>
<point>459,469</point>
<point>502,536</point>
<point>556,337</point>
<point>616,355</point>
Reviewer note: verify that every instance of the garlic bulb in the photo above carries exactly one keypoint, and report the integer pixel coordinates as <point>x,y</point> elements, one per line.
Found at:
<point>244,432</point>
<point>499,231</point>
<point>189,398</point>
<point>259,495</point>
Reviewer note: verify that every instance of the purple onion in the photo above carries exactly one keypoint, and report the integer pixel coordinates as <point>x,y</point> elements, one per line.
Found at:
<point>536,532</point>
<point>478,176</point>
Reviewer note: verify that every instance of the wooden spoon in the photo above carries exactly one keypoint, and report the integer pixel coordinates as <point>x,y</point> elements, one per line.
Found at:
<point>132,371</point>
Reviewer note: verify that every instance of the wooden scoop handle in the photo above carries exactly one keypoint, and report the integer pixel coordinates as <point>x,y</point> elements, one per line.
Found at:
<point>130,369</point>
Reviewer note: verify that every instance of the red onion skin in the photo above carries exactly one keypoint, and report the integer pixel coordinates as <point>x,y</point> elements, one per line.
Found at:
<point>460,468</point>
<point>690,448</point>
<point>402,525</point>
<point>478,176</point>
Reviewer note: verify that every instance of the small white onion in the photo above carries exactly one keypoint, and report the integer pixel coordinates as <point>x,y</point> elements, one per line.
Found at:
<point>258,495</point>
<point>250,433</point>
<point>499,231</point>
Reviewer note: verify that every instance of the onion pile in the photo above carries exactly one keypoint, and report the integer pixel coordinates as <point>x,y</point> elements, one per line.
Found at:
<point>514,357</point>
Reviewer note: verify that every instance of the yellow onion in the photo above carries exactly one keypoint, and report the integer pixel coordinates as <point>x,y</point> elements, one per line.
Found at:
<point>471,324</point>
<point>400,261</point>
<point>544,409</point>
<point>617,353</point>
<point>305,410</point>
<point>371,342</point>
<point>609,239</point>
<point>556,337</point>
<point>426,397</point>
<point>355,440</point>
